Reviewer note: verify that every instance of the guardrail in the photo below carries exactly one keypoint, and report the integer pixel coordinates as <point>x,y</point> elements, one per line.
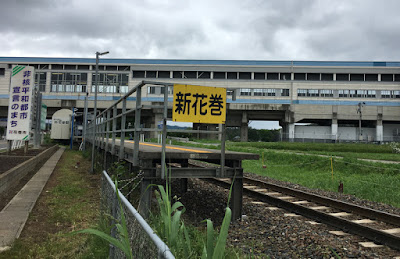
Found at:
<point>144,242</point>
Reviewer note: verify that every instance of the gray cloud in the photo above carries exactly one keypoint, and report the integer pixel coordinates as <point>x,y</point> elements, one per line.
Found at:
<point>252,29</point>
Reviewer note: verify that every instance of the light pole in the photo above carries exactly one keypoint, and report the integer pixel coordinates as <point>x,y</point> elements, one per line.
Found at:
<point>360,105</point>
<point>95,104</point>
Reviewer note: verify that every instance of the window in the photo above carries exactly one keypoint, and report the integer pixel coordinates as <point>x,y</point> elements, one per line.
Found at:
<point>259,76</point>
<point>111,83</point>
<point>56,67</point>
<point>151,90</point>
<point>371,93</point>
<point>57,82</point>
<point>385,94</point>
<point>397,77</point>
<point>312,93</point>
<point>285,76</point>
<point>264,92</point>
<point>245,75</point>
<point>360,93</point>
<point>272,76</point>
<point>111,68</point>
<point>170,89</point>
<point>245,92</point>
<point>284,92</point>
<point>301,92</point>
<point>387,77</point>
<point>163,74</point>
<point>313,76</point>
<point>396,94</point>
<point>123,68</point>
<point>326,93</point>
<point>371,77</point>
<point>232,75</point>
<point>151,74</point>
<point>138,74</point>
<point>177,74</point>
<point>343,93</point>
<point>326,77</point>
<point>69,67</point>
<point>190,74</point>
<point>356,77</point>
<point>203,74</point>
<point>219,75</point>
<point>342,77</point>
<point>83,67</point>
<point>40,80</point>
<point>299,76</point>
<point>2,71</point>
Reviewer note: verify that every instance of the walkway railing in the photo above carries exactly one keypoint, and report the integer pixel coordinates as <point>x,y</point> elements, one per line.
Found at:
<point>144,242</point>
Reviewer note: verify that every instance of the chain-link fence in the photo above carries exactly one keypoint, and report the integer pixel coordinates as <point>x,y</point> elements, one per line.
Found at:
<point>144,242</point>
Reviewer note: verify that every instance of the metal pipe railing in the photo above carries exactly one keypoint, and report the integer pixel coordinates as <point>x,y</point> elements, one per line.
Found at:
<point>163,250</point>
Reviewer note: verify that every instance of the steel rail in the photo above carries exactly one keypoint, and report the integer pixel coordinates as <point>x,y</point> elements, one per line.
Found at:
<point>339,223</point>
<point>363,211</point>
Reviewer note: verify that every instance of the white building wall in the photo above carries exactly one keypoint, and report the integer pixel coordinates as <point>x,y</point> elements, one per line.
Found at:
<point>343,133</point>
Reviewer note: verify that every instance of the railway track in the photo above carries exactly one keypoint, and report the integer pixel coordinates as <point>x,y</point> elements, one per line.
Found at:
<point>377,226</point>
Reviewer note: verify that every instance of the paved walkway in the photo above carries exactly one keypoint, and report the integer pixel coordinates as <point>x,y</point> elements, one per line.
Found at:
<point>14,216</point>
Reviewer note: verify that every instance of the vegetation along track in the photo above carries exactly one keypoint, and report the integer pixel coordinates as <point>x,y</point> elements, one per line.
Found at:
<point>377,226</point>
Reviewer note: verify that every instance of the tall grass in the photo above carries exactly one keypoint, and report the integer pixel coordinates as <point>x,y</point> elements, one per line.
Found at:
<point>171,228</point>
<point>122,242</point>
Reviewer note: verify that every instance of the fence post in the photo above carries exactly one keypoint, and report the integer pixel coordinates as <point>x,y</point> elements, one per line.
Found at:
<point>114,129</point>
<point>106,145</point>
<point>136,136</point>
<point>123,122</point>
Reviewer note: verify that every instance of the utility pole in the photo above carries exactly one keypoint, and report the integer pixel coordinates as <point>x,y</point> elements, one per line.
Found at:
<point>95,105</point>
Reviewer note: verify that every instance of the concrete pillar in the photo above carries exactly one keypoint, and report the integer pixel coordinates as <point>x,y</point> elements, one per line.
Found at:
<point>334,130</point>
<point>244,128</point>
<point>207,127</point>
<point>212,127</point>
<point>379,130</point>
<point>291,130</point>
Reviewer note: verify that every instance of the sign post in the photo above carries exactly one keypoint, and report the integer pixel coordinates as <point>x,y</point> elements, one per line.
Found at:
<point>20,104</point>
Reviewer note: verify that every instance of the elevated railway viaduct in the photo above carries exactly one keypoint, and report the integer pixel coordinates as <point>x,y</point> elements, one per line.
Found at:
<point>332,97</point>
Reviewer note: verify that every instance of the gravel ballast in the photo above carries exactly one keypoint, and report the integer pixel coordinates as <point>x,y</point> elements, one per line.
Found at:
<point>263,232</point>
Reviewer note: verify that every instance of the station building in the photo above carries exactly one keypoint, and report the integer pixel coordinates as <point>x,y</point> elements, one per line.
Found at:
<point>312,100</point>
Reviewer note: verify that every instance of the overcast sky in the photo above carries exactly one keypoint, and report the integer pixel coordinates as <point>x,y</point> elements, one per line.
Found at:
<point>234,29</point>
<point>359,30</point>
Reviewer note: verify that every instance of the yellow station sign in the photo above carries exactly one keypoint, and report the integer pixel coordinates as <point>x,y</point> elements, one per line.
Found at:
<point>199,104</point>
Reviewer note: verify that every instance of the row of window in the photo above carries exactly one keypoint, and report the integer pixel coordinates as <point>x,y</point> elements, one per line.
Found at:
<point>227,75</point>
<point>348,93</point>
<point>265,76</point>
<point>75,67</point>
<point>77,82</point>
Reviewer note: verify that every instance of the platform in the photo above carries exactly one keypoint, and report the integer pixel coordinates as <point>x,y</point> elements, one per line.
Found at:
<point>150,166</point>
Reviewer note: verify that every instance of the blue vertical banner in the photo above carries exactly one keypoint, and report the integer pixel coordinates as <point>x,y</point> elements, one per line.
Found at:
<point>20,103</point>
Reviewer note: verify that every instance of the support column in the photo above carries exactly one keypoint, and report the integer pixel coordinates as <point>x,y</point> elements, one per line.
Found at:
<point>334,130</point>
<point>291,130</point>
<point>145,197</point>
<point>244,128</point>
<point>379,130</point>
<point>236,202</point>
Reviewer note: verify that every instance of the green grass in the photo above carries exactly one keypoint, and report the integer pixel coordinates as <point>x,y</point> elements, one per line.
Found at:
<point>365,180</point>
<point>71,204</point>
